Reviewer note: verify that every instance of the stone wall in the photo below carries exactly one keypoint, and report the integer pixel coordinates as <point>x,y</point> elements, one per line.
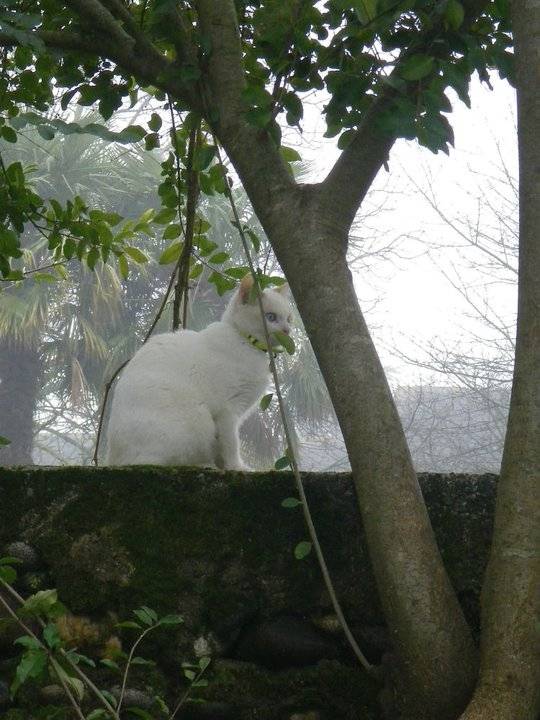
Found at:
<point>218,549</point>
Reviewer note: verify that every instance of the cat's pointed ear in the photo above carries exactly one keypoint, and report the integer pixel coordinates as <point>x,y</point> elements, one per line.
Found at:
<point>244,291</point>
<point>283,289</point>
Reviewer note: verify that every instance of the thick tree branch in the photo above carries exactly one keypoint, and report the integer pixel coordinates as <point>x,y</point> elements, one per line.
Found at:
<point>251,150</point>
<point>354,171</point>
<point>102,22</point>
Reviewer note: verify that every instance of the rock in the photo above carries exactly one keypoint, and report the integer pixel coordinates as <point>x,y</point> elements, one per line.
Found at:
<point>5,700</point>
<point>33,581</point>
<point>52,693</point>
<point>23,552</point>
<point>209,711</point>
<point>285,641</point>
<point>134,698</point>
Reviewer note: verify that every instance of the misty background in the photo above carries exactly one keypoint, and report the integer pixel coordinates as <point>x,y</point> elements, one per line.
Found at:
<point>434,256</point>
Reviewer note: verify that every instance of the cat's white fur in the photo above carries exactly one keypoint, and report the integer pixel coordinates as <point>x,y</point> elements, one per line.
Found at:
<point>182,397</point>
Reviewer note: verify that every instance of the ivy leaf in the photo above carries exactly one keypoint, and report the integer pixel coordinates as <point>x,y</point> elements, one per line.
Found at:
<point>155,122</point>
<point>290,502</point>
<point>265,401</point>
<point>123,266</point>
<point>172,232</point>
<point>219,258</point>
<point>302,550</point>
<point>31,665</point>
<point>171,254</point>
<point>285,341</point>
<point>171,620</point>
<point>8,134</point>
<point>289,154</point>
<point>4,441</point>
<point>203,156</point>
<point>282,463</point>
<point>136,254</point>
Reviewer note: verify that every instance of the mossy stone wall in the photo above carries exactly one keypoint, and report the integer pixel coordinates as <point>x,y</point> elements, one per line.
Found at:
<point>218,549</point>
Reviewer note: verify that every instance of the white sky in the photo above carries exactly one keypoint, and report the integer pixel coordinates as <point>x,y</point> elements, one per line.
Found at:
<point>415,300</point>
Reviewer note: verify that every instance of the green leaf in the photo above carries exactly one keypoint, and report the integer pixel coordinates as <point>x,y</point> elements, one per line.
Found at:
<point>8,134</point>
<point>8,574</point>
<point>92,258</point>
<point>136,254</point>
<point>123,266</point>
<point>282,463</point>
<point>28,642</point>
<point>190,674</point>
<point>172,232</point>
<point>51,636</point>
<point>110,664</point>
<point>289,154</point>
<point>155,122</point>
<point>171,254</point>
<point>98,714</point>
<point>139,713</point>
<point>237,272</point>
<point>142,661</point>
<point>366,10</point>
<point>146,615</point>
<point>454,14</point>
<point>219,258</point>
<point>290,502</point>
<point>417,67</point>
<point>265,401</point>
<point>151,141</point>
<point>10,559</point>
<point>46,132</point>
<point>204,662</point>
<point>171,620</point>
<point>41,603</point>
<point>44,277</point>
<point>302,550</point>
<point>165,216</point>
<point>4,441</point>
<point>203,156</point>
<point>286,341</point>
<point>31,665</point>
<point>196,271</point>
<point>129,624</point>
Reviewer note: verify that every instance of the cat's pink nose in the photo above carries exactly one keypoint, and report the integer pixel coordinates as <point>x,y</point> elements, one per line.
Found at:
<point>286,330</point>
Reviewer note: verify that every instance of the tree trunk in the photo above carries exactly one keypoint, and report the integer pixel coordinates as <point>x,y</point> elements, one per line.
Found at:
<point>437,656</point>
<point>509,687</point>
<point>20,370</point>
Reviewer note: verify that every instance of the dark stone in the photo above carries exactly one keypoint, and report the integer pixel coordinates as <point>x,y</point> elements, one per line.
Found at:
<point>283,642</point>
<point>24,552</point>
<point>208,711</point>
<point>5,701</point>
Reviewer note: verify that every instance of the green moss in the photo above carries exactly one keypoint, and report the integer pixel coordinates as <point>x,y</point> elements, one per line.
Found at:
<point>218,549</point>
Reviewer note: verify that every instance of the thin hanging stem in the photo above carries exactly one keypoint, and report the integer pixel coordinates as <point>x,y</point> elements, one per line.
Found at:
<point>289,439</point>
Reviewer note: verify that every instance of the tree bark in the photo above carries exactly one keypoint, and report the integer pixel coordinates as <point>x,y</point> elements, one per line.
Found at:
<point>435,648</point>
<point>20,370</point>
<point>509,686</point>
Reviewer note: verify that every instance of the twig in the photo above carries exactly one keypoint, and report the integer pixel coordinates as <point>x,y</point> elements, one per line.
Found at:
<point>291,454</point>
<point>128,663</point>
<point>186,694</point>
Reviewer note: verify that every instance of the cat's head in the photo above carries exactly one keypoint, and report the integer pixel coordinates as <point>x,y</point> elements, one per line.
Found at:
<point>244,313</point>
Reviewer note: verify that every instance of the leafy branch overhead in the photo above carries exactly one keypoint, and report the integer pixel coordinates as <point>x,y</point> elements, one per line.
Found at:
<point>385,67</point>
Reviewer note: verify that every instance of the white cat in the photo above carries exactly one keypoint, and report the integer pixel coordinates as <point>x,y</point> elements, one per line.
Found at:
<point>182,397</point>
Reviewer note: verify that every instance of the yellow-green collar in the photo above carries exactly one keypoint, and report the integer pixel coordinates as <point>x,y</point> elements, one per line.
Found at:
<point>259,344</point>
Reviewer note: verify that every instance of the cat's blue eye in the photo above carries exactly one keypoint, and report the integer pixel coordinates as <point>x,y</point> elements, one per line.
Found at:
<point>271,317</point>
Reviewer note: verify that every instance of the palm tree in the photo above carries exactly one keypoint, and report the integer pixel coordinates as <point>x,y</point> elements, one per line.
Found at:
<point>52,339</point>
